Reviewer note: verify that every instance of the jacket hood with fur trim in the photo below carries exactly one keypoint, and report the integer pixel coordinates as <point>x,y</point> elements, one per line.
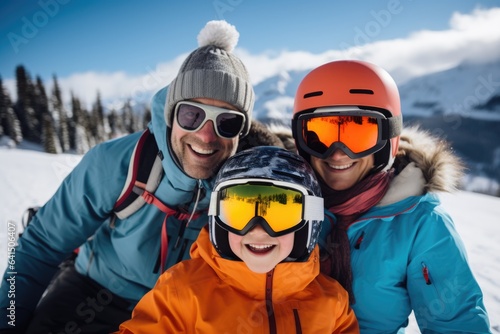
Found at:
<point>424,163</point>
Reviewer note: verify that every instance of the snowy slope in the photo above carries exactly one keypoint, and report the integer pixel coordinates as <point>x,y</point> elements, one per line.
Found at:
<point>29,178</point>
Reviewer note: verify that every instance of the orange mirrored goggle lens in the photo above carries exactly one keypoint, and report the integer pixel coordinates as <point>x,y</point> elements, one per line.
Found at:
<point>280,207</point>
<point>358,133</point>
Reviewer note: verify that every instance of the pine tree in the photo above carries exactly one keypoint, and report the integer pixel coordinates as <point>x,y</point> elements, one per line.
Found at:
<point>115,124</point>
<point>128,117</point>
<point>40,105</point>
<point>60,116</point>
<point>72,126</point>
<point>4,126</point>
<point>24,107</point>
<point>9,124</point>
<point>50,140</point>
<point>79,121</point>
<point>146,118</point>
<point>96,125</point>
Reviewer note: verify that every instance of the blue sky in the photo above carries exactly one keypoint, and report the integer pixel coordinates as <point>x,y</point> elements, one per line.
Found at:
<point>131,38</point>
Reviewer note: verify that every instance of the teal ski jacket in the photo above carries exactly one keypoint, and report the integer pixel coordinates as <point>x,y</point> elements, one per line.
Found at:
<point>406,254</point>
<point>123,256</point>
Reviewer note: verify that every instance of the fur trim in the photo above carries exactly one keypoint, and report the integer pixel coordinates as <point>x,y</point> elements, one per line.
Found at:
<point>441,168</point>
<point>220,34</point>
<point>410,182</point>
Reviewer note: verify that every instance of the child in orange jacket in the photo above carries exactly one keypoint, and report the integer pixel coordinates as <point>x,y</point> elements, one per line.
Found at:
<point>255,269</point>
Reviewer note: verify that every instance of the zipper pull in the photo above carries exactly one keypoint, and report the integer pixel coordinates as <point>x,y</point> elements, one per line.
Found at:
<point>425,273</point>
<point>359,241</point>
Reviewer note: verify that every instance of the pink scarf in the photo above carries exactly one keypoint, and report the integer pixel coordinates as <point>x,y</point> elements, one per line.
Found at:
<point>351,203</point>
<point>347,205</point>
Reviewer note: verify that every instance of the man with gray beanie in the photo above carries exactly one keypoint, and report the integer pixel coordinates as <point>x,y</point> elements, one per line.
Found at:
<point>197,123</point>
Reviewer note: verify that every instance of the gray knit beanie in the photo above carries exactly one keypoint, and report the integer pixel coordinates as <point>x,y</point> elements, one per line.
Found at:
<point>212,71</point>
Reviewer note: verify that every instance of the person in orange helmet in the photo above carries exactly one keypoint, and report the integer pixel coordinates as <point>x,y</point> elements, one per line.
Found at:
<point>256,268</point>
<point>380,182</point>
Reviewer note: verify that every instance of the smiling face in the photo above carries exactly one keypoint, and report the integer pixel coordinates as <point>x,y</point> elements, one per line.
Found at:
<point>341,172</point>
<point>201,153</point>
<point>261,252</point>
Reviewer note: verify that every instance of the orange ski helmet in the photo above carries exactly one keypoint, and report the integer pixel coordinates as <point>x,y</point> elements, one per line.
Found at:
<point>352,83</point>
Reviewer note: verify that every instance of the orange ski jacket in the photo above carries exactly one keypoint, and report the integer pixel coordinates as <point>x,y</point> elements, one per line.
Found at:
<point>210,294</point>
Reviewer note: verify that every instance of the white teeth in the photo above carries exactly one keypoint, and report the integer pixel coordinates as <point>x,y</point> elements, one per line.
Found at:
<point>261,246</point>
<point>340,167</point>
<point>200,150</point>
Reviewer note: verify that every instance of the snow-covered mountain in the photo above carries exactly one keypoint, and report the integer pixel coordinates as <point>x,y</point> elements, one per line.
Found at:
<point>461,104</point>
<point>469,90</point>
<point>274,96</point>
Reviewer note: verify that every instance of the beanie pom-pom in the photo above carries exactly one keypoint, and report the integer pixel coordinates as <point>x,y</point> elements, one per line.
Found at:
<point>220,34</point>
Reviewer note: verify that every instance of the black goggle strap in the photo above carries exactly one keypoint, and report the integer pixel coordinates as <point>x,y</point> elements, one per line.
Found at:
<point>392,127</point>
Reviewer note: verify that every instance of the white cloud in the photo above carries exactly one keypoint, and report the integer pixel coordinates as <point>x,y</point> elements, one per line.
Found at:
<point>471,37</point>
<point>266,65</point>
<point>86,85</point>
<point>119,85</point>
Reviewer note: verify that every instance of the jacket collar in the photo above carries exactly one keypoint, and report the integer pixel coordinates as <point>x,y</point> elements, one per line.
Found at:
<point>288,277</point>
<point>428,165</point>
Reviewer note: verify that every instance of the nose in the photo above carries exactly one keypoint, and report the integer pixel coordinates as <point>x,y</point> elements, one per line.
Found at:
<point>338,154</point>
<point>207,132</point>
<point>257,229</point>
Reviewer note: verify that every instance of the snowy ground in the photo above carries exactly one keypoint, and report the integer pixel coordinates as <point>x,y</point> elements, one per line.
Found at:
<point>29,178</point>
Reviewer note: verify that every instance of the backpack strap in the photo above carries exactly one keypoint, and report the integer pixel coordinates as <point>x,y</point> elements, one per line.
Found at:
<point>151,199</point>
<point>144,173</point>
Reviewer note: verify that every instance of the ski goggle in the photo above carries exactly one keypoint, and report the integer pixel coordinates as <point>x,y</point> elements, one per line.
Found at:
<point>279,207</point>
<point>357,132</point>
<point>191,116</point>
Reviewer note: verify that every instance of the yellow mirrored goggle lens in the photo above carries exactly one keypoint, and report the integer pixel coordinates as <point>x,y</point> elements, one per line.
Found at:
<point>280,207</point>
<point>358,133</point>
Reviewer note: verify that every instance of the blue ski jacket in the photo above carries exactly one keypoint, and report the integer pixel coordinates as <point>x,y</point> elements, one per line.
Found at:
<point>406,254</point>
<point>124,256</point>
